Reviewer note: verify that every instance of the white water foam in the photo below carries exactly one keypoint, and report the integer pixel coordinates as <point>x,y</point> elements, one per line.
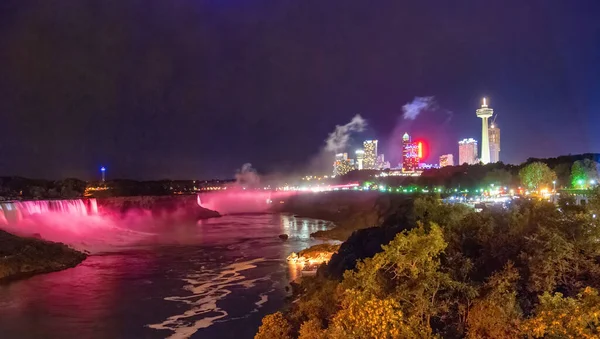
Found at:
<point>207,288</point>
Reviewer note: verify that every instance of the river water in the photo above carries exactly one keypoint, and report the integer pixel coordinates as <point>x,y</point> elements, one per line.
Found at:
<point>218,283</point>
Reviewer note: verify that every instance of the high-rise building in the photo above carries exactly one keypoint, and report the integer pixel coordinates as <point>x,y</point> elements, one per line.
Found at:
<point>370,155</point>
<point>342,164</point>
<point>467,151</point>
<point>360,156</point>
<point>381,163</point>
<point>446,160</point>
<point>484,113</point>
<point>494,134</point>
<point>412,152</point>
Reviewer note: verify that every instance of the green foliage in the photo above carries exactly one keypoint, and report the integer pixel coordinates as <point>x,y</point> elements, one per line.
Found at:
<point>560,317</point>
<point>495,274</point>
<point>498,177</point>
<point>536,175</point>
<point>274,326</point>
<point>311,330</point>
<point>582,172</point>
<point>366,316</point>
<point>496,314</point>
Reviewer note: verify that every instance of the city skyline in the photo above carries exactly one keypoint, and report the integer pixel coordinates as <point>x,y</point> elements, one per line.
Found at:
<point>197,89</point>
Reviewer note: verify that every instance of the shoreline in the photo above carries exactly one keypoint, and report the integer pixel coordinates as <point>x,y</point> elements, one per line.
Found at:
<point>24,257</point>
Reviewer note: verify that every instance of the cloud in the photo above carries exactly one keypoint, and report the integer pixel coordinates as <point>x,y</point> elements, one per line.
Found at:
<point>414,108</point>
<point>339,138</point>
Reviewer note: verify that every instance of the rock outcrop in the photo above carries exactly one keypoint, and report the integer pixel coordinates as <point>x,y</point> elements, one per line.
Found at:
<point>22,257</point>
<point>185,206</point>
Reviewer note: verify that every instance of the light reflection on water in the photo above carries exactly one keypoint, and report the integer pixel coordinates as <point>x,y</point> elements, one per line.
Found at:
<point>200,287</point>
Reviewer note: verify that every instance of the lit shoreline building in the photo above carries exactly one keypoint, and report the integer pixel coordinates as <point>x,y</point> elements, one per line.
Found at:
<point>342,164</point>
<point>484,113</point>
<point>446,160</point>
<point>370,154</point>
<point>412,153</point>
<point>360,156</point>
<point>494,134</point>
<point>467,151</point>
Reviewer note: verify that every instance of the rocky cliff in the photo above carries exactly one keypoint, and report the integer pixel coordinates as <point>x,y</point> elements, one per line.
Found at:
<point>178,205</point>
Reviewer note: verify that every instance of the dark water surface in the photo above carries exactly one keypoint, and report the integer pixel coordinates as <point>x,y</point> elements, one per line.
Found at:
<point>218,283</point>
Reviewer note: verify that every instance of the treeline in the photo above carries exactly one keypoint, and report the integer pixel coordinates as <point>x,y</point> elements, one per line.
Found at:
<point>434,270</point>
<point>17,188</point>
<point>13,188</point>
<point>474,176</point>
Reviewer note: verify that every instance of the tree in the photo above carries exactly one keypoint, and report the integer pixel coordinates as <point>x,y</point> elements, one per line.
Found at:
<point>406,271</point>
<point>365,316</point>
<point>497,313</point>
<point>536,175</point>
<point>311,330</point>
<point>583,172</point>
<point>274,326</point>
<point>560,317</point>
<point>498,176</point>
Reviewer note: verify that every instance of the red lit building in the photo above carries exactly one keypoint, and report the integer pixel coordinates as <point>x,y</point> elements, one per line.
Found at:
<point>412,152</point>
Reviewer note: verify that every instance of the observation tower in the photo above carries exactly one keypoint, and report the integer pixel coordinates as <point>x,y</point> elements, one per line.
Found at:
<point>485,113</point>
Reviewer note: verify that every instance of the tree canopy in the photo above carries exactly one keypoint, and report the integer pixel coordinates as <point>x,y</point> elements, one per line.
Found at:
<point>529,271</point>
<point>536,175</point>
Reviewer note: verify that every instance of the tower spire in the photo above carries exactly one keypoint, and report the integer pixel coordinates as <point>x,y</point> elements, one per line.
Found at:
<point>485,113</point>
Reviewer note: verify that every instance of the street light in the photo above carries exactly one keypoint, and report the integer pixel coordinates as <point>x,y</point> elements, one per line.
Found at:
<point>554,184</point>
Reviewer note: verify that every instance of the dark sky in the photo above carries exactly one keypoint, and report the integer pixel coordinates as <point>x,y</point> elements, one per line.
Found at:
<point>194,89</point>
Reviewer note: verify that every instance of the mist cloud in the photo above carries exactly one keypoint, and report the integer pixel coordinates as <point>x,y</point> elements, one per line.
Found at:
<point>247,176</point>
<point>414,108</point>
<point>339,138</point>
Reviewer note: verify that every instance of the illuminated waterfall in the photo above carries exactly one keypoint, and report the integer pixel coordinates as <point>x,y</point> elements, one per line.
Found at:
<point>11,212</point>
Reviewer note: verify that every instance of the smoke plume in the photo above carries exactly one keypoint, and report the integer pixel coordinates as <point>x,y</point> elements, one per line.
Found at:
<point>247,176</point>
<point>338,139</point>
<point>414,108</point>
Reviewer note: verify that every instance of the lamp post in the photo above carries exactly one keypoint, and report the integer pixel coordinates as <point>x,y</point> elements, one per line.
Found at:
<point>103,171</point>
<point>554,185</point>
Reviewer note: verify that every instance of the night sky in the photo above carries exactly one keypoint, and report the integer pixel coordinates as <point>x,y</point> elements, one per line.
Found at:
<point>194,89</point>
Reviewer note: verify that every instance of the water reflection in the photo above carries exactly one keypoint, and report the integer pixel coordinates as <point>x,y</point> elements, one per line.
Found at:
<point>119,294</point>
<point>302,227</point>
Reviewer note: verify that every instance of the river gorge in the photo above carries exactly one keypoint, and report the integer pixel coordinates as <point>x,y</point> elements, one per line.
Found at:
<point>158,267</point>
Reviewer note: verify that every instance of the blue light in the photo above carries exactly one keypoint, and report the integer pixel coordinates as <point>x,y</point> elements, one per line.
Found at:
<point>102,169</point>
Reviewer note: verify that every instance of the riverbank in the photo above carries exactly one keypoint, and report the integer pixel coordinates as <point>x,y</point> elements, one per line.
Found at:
<point>349,211</point>
<point>22,257</point>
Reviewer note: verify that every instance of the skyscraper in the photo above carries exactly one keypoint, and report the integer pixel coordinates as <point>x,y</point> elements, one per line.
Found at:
<point>411,153</point>
<point>446,160</point>
<point>467,151</point>
<point>494,134</point>
<point>370,149</point>
<point>360,156</point>
<point>484,113</point>
<point>342,164</point>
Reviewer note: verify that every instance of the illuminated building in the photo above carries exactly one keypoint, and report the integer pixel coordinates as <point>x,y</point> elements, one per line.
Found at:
<point>494,134</point>
<point>467,151</point>
<point>446,160</point>
<point>103,171</point>
<point>360,156</point>
<point>484,113</point>
<point>370,154</point>
<point>412,152</point>
<point>342,164</point>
